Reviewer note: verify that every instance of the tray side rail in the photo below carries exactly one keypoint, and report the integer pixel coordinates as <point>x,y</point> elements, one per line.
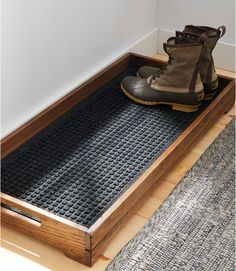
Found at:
<point>105,227</point>
<point>56,231</point>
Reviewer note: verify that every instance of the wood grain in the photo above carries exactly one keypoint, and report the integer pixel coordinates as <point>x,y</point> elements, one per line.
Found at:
<point>56,231</point>
<point>77,242</point>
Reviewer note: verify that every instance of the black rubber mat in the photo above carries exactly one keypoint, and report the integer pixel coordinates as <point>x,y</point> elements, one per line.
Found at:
<point>81,164</point>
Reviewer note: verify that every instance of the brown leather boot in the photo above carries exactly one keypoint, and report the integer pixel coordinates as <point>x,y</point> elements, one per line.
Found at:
<point>206,69</point>
<point>177,84</point>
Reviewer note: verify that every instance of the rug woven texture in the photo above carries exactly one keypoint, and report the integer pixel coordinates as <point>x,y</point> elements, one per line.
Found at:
<point>194,228</point>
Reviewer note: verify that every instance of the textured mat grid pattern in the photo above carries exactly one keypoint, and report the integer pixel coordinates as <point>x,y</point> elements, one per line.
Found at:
<point>81,164</point>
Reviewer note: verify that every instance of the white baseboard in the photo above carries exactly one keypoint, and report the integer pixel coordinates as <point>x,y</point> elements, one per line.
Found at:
<point>147,45</point>
<point>224,53</point>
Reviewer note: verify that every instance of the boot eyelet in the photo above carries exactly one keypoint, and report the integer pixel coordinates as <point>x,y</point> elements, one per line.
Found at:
<point>200,97</point>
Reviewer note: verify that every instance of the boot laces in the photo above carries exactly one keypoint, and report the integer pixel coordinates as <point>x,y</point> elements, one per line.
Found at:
<point>161,71</point>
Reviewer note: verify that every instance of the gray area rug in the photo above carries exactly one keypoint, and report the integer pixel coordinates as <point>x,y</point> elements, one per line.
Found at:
<point>194,228</point>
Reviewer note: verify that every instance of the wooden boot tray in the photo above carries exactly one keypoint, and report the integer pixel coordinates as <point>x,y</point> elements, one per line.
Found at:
<point>73,174</point>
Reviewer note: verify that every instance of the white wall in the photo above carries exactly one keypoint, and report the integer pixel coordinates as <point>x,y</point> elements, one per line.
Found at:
<point>174,15</point>
<point>50,46</point>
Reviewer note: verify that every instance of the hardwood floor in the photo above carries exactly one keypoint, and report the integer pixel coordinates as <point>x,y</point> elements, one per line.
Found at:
<point>21,252</point>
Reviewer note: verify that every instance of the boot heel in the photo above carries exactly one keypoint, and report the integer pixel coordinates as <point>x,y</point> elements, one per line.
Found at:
<point>185,108</point>
<point>208,97</point>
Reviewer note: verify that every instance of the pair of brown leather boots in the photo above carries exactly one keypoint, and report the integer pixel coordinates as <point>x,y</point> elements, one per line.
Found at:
<point>188,77</point>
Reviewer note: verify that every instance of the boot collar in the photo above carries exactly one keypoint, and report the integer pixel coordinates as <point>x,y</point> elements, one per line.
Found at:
<point>209,31</point>
<point>183,41</point>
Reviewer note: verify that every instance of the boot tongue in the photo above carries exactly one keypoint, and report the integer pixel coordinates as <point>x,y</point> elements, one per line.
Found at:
<point>171,41</point>
<point>176,40</point>
<point>182,38</point>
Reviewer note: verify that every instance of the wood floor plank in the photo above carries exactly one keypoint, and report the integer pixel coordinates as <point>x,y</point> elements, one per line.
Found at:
<point>176,174</point>
<point>121,239</point>
<point>163,190</point>
<point>129,230</point>
<point>208,139</point>
<point>136,222</point>
<point>226,73</point>
<point>219,71</point>
<point>181,168</point>
<point>19,251</point>
<point>149,207</point>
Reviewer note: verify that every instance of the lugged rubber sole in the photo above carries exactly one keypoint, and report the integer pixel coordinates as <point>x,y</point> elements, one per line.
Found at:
<point>175,106</point>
